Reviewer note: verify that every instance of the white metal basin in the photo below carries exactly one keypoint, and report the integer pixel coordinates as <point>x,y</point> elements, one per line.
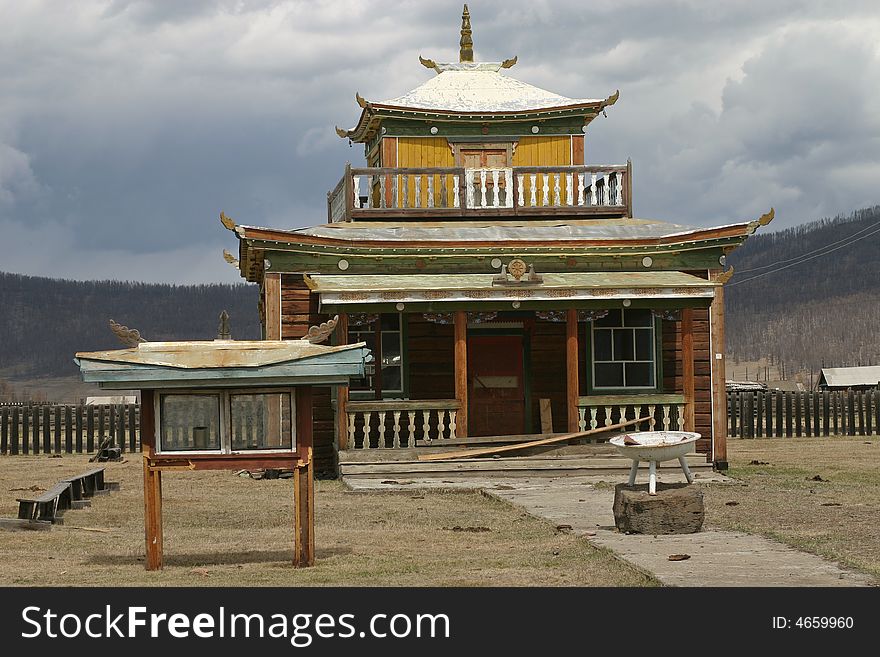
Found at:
<point>656,445</point>
<point>653,447</point>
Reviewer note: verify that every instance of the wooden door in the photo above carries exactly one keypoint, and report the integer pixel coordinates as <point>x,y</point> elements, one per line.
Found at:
<point>496,385</point>
<point>486,158</point>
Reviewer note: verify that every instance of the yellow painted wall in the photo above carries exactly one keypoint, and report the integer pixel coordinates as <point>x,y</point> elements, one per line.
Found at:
<point>428,153</point>
<point>542,152</point>
<point>434,152</point>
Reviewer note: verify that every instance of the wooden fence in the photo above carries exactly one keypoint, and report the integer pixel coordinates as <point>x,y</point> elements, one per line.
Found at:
<point>41,428</point>
<point>788,414</point>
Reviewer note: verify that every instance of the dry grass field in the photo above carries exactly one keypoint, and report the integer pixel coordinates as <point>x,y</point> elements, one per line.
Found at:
<point>780,496</point>
<point>223,530</point>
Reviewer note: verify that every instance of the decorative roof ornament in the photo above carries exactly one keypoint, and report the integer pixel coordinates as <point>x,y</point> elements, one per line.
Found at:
<point>509,63</point>
<point>128,337</point>
<point>516,272</point>
<point>466,51</point>
<point>228,223</point>
<point>724,276</point>
<point>231,259</point>
<point>763,220</point>
<point>360,100</point>
<point>427,63</point>
<point>223,330</point>
<point>321,332</point>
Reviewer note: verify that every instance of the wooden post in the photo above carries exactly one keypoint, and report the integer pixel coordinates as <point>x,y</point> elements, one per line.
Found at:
<point>68,430</point>
<point>4,430</point>
<point>342,391</point>
<point>719,412</point>
<point>303,483</point>
<point>152,487</point>
<point>687,367</point>
<point>628,188</point>
<point>348,191</point>
<point>461,373</point>
<point>272,306</point>
<point>571,368</point>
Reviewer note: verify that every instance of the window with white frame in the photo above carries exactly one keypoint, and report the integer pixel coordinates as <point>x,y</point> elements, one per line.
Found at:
<point>624,350</point>
<point>384,369</point>
<point>225,421</point>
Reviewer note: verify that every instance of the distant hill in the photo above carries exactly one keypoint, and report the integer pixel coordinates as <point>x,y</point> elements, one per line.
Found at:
<point>808,296</point>
<point>45,321</point>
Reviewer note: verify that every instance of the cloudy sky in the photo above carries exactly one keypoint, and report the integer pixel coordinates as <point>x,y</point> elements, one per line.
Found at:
<point>127,125</point>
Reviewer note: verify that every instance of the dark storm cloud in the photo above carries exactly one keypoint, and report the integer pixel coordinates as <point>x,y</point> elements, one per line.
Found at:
<point>126,126</point>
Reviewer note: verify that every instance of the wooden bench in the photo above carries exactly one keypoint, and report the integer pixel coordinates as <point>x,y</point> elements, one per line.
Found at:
<point>87,485</point>
<point>47,507</point>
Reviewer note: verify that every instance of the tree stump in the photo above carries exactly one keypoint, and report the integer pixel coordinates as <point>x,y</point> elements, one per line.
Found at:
<point>675,509</point>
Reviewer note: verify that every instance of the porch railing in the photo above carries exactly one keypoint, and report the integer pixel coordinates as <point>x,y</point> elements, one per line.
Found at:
<point>666,411</point>
<point>459,192</point>
<point>399,423</point>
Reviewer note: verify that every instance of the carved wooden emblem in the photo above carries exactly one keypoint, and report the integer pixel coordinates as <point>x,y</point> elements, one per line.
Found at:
<point>128,337</point>
<point>517,268</point>
<point>321,332</point>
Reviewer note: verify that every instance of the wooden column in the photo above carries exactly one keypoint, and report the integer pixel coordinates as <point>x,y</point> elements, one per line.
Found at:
<point>719,395</point>
<point>304,483</point>
<point>272,306</point>
<point>571,368</point>
<point>342,391</point>
<point>577,150</point>
<point>152,486</point>
<point>461,373</point>
<point>687,367</point>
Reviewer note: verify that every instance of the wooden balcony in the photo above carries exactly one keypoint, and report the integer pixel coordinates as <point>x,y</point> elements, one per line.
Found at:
<point>457,193</point>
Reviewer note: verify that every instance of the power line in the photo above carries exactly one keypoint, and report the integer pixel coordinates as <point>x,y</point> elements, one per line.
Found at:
<point>773,271</point>
<point>802,255</point>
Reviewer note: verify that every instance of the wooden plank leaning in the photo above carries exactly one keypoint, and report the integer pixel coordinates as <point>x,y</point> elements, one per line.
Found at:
<point>465,453</point>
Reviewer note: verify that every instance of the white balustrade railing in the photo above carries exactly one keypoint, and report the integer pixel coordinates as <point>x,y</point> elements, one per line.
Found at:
<point>399,423</point>
<point>457,190</point>
<point>666,411</point>
<point>571,187</point>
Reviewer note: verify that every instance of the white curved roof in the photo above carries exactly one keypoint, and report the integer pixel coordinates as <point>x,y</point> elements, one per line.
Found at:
<point>480,88</point>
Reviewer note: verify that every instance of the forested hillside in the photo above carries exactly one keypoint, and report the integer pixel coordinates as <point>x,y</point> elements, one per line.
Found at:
<point>808,296</point>
<point>44,321</point>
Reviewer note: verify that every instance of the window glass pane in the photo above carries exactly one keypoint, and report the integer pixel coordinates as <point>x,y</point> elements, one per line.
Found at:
<point>390,322</point>
<point>602,344</point>
<point>623,344</point>
<point>609,375</point>
<point>365,382</point>
<point>189,422</point>
<point>260,421</point>
<point>638,317</point>
<point>639,375</point>
<point>644,344</point>
<point>390,349</point>
<point>391,380</point>
<point>611,319</point>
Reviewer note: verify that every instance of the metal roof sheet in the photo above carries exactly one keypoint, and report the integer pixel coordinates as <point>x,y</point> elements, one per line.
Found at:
<point>324,283</point>
<point>845,377</point>
<point>216,353</point>
<point>559,230</point>
<point>480,89</point>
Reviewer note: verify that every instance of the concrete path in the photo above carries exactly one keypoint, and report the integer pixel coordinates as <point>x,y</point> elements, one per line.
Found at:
<point>717,557</point>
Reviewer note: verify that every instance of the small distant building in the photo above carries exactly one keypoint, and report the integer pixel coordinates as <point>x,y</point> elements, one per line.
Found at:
<point>745,386</point>
<point>850,378</point>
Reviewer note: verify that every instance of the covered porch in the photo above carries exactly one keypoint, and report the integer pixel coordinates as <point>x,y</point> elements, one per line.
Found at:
<point>469,359</point>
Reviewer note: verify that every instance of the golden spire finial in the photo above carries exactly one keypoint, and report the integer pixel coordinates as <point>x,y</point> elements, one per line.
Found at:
<point>466,54</point>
